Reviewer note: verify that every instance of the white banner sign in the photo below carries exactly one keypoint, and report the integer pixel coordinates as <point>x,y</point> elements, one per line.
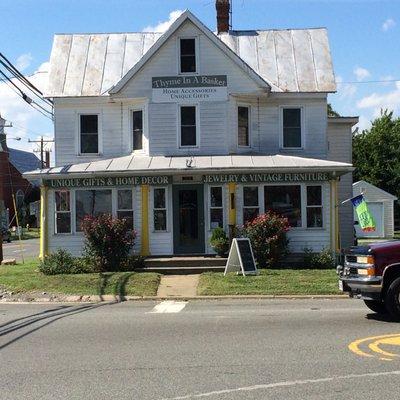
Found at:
<point>181,89</point>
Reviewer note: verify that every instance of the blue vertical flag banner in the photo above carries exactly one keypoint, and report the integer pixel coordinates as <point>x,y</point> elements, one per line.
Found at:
<point>365,218</point>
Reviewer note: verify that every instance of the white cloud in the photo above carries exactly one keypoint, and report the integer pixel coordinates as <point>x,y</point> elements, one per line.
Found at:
<point>162,26</point>
<point>345,90</point>
<point>363,123</point>
<point>388,78</point>
<point>388,24</point>
<point>361,73</point>
<point>23,61</point>
<point>26,121</point>
<point>378,101</point>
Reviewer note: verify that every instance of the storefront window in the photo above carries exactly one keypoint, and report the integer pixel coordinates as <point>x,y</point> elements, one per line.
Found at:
<point>93,203</point>
<point>125,206</point>
<point>250,203</point>
<point>160,209</point>
<point>314,207</point>
<point>286,201</point>
<point>216,208</point>
<point>63,211</point>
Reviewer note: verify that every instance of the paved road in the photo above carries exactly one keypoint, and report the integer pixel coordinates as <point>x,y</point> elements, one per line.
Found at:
<point>30,249</point>
<point>216,350</point>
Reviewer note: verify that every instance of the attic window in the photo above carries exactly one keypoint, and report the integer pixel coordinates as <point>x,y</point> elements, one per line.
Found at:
<point>187,49</point>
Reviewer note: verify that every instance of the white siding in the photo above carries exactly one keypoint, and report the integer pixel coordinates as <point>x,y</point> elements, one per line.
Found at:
<point>340,149</point>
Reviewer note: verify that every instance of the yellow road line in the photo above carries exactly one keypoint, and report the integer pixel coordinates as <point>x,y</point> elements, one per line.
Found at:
<point>393,339</point>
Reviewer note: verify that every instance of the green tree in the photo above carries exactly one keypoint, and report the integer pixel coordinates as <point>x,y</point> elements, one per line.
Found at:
<point>331,112</point>
<point>376,154</point>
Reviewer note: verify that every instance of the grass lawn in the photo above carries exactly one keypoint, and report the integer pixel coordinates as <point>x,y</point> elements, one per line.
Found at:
<point>27,278</point>
<point>270,282</point>
<point>33,233</point>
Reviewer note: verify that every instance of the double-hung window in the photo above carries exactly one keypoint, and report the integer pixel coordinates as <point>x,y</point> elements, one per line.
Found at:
<point>159,209</point>
<point>216,207</point>
<point>243,126</point>
<point>187,50</point>
<point>314,207</point>
<point>89,133</point>
<point>137,129</point>
<point>250,203</point>
<point>125,206</point>
<point>188,128</point>
<point>284,200</point>
<point>291,128</point>
<point>62,211</point>
<point>93,203</point>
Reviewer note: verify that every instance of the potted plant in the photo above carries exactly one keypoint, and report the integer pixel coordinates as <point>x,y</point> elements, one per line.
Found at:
<point>219,241</point>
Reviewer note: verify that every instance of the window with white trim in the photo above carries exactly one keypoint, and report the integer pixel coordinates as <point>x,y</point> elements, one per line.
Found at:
<point>187,53</point>
<point>250,203</point>
<point>188,129</point>
<point>160,209</point>
<point>137,129</point>
<point>125,206</point>
<point>314,207</point>
<point>291,128</point>
<point>216,207</point>
<point>62,211</point>
<point>89,133</point>
<point>243,126</point>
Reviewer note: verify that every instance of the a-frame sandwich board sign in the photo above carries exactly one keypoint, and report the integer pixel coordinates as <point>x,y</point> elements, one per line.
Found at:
<point>241,258</point>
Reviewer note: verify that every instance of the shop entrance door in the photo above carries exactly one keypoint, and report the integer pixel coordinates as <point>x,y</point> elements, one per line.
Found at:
<point>188,210</point>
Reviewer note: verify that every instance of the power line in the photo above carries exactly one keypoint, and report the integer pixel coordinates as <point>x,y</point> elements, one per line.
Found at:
<point>363,82</point>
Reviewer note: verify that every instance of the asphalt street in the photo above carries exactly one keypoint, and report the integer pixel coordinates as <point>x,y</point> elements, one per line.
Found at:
<point>28,248</point>
<point>226,349</point>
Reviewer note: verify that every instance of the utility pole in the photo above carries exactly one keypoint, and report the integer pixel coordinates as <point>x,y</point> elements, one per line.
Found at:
<point>41,150</point>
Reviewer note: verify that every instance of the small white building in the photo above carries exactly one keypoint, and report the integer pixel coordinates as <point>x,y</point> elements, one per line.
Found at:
<point>380,204</point>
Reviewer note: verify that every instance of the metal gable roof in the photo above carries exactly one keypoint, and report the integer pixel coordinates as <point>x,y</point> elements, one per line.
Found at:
<point>291,60</point>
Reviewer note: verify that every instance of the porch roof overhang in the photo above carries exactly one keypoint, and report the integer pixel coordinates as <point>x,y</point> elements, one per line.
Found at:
<point>156,165</point>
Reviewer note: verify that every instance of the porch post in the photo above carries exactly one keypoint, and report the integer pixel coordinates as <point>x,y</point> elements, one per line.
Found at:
<point>232,210</point>
<point>334,216</point>
<point>145,249</point>
<point>43,247</point>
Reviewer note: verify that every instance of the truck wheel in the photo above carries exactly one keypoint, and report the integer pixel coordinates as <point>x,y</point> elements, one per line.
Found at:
<point>392,299</point>
<point>376,306</point>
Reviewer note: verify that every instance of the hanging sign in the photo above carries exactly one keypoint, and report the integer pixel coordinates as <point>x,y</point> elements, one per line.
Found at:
<point>241,258</point>
<point>271,177</point>
<point>181,89</point>
<point>108,181</point>
<point>365,218</point>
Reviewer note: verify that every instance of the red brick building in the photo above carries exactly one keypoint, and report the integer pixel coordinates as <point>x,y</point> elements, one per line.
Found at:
<point>13,163</point>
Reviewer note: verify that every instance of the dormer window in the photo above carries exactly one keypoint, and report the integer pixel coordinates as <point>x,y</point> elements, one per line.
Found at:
<point>187,52</point>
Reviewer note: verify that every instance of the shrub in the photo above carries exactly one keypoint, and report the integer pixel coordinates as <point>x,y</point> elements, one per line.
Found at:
<point>132,263</point>
<point>267,234</point>
<point>107,241</point>
<point>321,260</point>
<point>62,262</point>
<point>219,241</point>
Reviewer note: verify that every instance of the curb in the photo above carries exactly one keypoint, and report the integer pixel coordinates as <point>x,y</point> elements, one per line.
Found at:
<point>111,298</point>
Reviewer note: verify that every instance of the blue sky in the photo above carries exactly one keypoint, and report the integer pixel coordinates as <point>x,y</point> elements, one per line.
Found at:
<point>364,37</point>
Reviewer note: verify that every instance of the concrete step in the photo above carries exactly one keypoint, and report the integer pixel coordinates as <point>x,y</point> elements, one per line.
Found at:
<point>183,265</point>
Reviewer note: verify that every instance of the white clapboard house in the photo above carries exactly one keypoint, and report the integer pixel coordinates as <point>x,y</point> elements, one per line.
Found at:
<point>187,130</point>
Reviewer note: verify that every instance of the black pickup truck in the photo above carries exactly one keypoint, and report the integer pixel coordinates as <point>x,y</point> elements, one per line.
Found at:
<point>372,273</point>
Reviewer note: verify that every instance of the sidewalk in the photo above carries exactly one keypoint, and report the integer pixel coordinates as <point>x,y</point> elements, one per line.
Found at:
<point>178,286</point>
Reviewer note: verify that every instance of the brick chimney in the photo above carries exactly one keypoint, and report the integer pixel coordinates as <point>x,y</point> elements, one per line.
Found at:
<point>223,10</point>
